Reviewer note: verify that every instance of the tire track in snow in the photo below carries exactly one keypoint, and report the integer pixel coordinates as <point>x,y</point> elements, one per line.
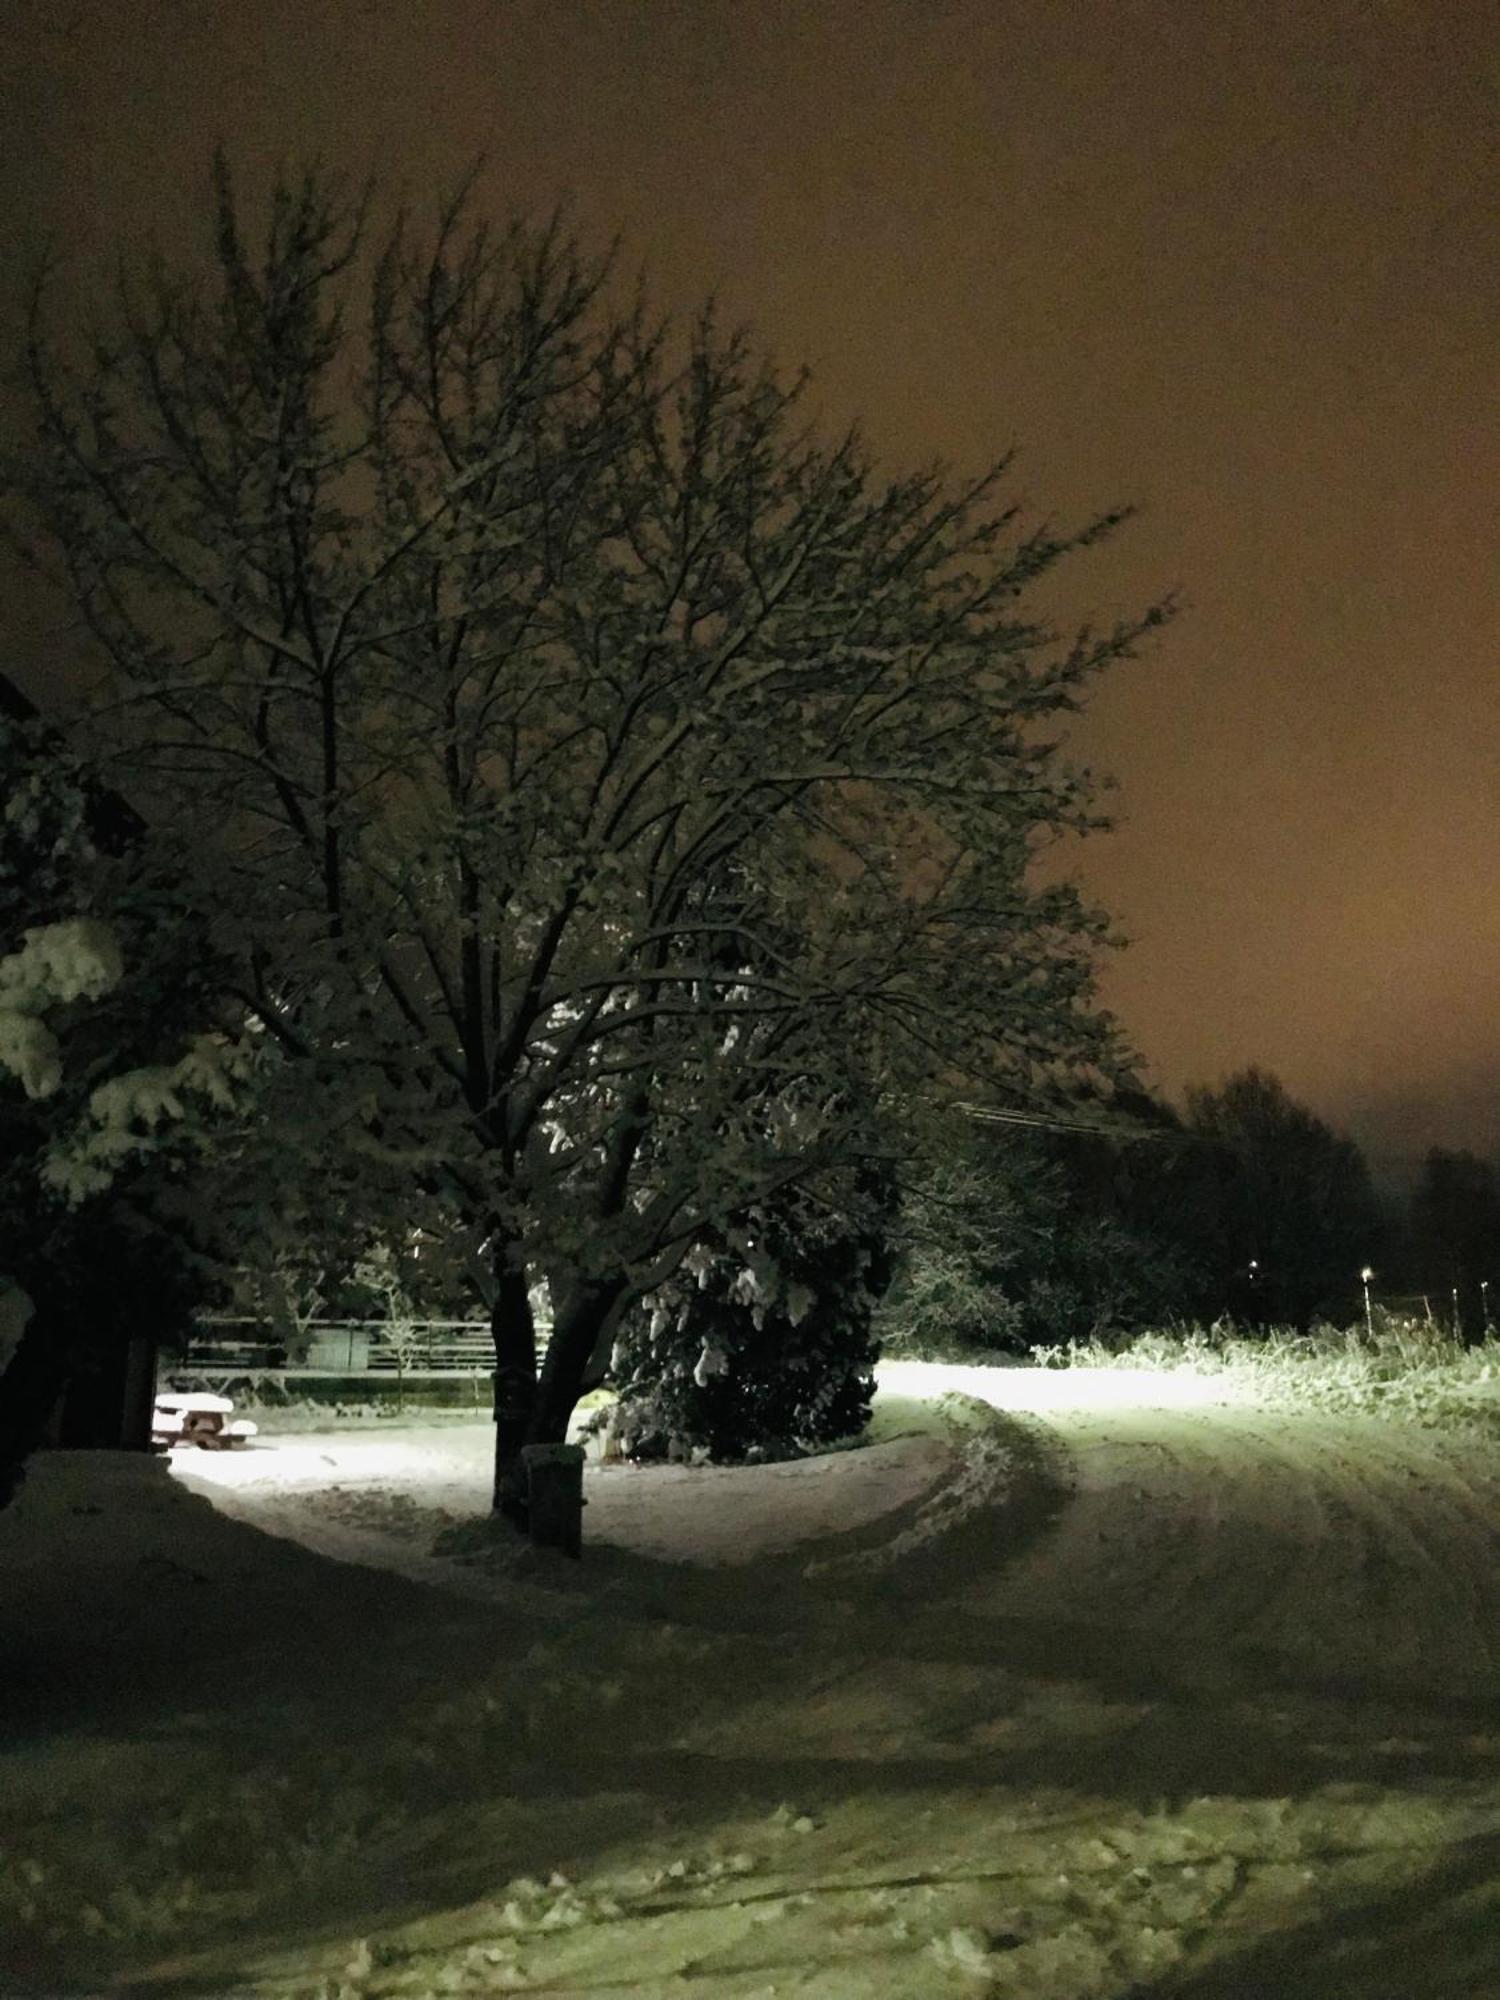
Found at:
<point>1241,1543</point>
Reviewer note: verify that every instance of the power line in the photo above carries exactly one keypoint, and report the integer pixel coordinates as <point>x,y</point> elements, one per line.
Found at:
<point>993,1114</point>
<point>1095,1128</point>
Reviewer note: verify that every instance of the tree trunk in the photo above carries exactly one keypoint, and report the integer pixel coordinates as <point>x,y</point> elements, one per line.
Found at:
<point>514,1333</point>
<point>95,1398</point>
<point>30,1387</point>
<point>580,1327</point>
<point>139,1401</point>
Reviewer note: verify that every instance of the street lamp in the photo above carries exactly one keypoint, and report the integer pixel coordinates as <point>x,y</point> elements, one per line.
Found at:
<point>1484,1300</point>
<point>1364,1278</point>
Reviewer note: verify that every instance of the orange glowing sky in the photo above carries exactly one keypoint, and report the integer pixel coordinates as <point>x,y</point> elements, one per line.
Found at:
<point>1238,261</point>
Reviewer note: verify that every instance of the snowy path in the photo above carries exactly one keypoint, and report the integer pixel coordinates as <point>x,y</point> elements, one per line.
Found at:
<point>1102,1698</point>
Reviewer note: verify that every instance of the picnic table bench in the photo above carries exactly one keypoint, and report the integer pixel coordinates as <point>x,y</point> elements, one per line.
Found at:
<point>192,1416</point>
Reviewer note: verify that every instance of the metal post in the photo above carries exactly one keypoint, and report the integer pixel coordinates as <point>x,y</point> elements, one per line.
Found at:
<point>554,1496</point>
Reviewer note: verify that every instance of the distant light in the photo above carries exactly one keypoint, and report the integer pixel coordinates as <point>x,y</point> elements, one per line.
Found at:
<point>1366,1275</point>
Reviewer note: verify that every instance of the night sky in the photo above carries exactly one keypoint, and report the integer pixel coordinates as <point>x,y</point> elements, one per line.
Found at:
<point>1235,260</point>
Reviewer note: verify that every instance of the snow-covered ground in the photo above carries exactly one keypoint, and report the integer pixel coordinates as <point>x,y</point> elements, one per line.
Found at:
<point>1078,1686</point>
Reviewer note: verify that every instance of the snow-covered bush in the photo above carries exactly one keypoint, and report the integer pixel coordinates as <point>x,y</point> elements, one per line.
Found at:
<point>1400,1367</point>
<point>109,1086</point>
<point>54,965</point>
<point>760,1346</point>
<point>1015,1241</point>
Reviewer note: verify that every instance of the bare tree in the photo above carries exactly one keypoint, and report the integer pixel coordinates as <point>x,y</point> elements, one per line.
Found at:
<point>621,801</point>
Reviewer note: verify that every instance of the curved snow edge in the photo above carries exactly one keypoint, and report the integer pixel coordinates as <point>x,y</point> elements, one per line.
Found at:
<point>988,1465</point>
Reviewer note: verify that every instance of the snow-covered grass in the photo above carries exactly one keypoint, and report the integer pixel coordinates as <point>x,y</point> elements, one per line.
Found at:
<point>1399,1367</point>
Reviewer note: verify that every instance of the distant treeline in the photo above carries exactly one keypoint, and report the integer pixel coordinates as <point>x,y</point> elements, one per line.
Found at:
<point>1246,1205</point>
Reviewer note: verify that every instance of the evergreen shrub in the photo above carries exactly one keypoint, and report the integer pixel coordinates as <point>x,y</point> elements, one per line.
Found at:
<point>759,1347</point>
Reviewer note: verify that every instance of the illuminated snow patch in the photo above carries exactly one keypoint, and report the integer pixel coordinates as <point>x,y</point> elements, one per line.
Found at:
<point>712,1515</point>
<point>1041,1389</point>
<point>286,1461</point>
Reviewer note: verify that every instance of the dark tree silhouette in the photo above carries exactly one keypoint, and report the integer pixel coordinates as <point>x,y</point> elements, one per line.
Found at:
<point>1287,1212</point>
<point>1023,1237</point>
<point>1455,1236</point>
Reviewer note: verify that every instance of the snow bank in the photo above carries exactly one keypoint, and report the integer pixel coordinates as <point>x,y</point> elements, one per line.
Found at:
<point>413,1484</point>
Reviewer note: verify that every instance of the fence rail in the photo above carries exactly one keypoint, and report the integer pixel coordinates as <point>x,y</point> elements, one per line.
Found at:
<point>228,1346</point>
